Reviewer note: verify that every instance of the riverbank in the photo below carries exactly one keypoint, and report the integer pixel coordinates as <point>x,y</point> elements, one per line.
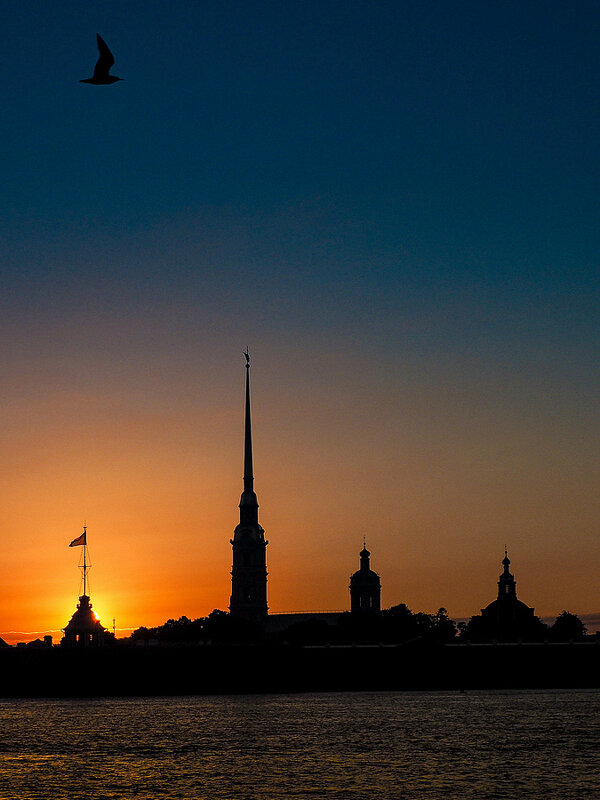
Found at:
<point>214,669</point>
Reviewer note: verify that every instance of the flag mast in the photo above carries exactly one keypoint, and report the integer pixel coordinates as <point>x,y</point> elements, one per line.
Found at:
<point>78,542</point>
<point>84,554</point>
<point>84,629</point>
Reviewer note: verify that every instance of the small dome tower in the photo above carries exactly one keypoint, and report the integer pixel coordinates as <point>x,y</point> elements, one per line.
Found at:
<point>365,587</point>
<point>84,628</point>
<point>507,611</point>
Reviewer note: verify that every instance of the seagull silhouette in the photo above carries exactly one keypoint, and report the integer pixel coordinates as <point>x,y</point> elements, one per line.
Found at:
<point>102,69</point>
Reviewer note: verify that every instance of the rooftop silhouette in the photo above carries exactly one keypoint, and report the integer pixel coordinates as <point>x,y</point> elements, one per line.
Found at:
<point>84,629</point>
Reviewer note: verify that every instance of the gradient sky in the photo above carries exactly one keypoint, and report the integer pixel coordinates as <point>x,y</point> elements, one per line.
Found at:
<point>395,206</point>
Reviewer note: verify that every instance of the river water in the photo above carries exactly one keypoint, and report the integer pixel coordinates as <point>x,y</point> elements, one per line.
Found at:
<point>363,746</point>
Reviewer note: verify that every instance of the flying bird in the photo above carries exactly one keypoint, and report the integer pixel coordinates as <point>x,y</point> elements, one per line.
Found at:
<point>102,69</point>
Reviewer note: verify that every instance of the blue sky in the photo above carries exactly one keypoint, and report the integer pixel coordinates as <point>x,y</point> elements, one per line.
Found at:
<point>417,174</point>
<point>434,126</point>
<point>420,151</point>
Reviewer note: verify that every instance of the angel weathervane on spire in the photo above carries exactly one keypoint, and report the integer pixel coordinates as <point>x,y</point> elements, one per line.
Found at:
<point>247,354</point>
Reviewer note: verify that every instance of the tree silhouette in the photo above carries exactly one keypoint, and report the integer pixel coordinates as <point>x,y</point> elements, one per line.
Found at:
<point>485,629</point>
<point>568,628</point>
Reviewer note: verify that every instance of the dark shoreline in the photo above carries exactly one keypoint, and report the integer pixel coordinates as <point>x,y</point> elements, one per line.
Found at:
<point>246,669</point>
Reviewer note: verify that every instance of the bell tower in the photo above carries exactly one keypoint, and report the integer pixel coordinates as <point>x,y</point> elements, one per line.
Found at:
<point>249,570</point>
<point>507,586</point>
<point>365,587</point>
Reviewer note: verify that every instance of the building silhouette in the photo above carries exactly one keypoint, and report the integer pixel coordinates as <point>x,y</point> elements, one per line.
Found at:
<point>365,587</point>
<point>249,569</point>
<point>84,628</point>
<point>506,618</point>
<point>507,610</point>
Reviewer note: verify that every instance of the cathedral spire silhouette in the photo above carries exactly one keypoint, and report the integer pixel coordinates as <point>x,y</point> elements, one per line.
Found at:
<point>248,502</point>
<point>249,569</point>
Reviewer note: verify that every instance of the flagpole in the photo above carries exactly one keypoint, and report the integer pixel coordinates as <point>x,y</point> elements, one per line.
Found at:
<point>84,564</point>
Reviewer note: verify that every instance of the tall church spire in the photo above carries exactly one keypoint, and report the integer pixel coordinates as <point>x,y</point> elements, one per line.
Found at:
<point>248,502</point>
<point>249,570</point>
<point>248,476</point>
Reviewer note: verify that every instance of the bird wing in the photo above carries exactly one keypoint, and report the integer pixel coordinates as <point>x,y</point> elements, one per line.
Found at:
<point>106,59</point>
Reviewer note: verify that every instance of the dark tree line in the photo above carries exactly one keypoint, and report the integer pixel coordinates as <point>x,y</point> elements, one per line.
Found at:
<point>566,628</point>
<point>394,625</point>
<point>217,627</point>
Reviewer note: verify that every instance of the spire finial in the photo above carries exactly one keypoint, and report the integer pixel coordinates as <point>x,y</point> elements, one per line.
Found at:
<point>247,355</point>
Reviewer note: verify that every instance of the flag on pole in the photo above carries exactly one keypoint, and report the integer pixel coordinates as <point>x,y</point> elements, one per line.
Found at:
<point>79,540</point>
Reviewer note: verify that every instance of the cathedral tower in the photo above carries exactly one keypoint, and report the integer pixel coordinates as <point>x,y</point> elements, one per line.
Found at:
<point>249,571</point>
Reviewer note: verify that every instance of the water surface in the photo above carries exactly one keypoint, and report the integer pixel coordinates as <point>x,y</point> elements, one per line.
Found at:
<point>397,746</point>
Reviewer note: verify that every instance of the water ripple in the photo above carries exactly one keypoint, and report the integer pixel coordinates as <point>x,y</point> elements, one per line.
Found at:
<point>429,746</point>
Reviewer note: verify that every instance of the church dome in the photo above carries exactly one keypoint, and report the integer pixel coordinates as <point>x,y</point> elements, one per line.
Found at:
<point>364,576</point>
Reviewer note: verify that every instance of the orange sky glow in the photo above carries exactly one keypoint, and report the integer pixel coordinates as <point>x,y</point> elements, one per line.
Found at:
<point>435,494</point>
